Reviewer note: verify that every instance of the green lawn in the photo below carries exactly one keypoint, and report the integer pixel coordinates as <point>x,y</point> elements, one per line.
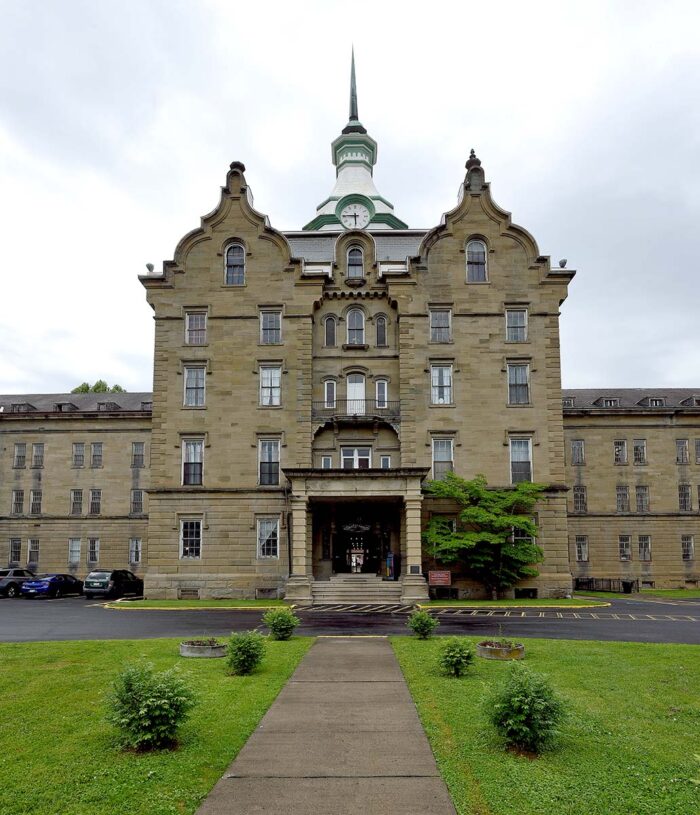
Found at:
<point>626,749</point>
<point>577,602</point>
<point>58,755</point>
<point>189,604</point>
<point>688,594</point>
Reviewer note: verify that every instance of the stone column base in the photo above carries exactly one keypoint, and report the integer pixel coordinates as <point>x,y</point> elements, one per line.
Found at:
<point>414,589</point>
<point>298,589</point>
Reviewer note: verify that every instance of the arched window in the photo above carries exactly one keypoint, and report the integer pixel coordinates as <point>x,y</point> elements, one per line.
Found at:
<point>356,266</point>
<point>329,332</point>
<point>476,262</point>
<point>356,327</point>
<point>235,265</point>
<point>381,331</point>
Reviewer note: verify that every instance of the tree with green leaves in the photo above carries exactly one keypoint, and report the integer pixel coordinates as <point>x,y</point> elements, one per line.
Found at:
<point>99,387</point>
<point>494,535</point>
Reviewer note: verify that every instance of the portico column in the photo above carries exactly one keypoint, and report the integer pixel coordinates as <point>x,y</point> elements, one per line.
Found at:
<point>413,585</point>
<point>299,583</point>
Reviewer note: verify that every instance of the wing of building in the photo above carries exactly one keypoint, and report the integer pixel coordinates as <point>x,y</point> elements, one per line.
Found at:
<point>307,383</point>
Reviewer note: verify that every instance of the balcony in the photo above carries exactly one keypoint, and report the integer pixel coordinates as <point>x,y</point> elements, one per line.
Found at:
<point>356,410</point>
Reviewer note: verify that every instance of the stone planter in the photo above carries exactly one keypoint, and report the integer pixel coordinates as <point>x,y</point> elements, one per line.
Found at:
<point>492,649</point>
<point>207,649</point>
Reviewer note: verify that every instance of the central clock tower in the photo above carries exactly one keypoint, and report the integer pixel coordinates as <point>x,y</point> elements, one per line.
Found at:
<point>354,202</point>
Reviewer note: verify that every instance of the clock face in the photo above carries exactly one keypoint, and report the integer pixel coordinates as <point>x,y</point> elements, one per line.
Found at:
<point>354,216</point>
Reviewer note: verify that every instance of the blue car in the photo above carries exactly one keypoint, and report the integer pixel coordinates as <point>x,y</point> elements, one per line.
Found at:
<point>51,585</point>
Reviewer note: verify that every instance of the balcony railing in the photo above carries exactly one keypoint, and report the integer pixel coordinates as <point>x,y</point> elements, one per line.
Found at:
<point>356,409</point>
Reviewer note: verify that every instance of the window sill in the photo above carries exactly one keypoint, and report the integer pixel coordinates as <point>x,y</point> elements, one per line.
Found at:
<point>270,344</point>
<point>355,281</point>
<point>37,467</point>
<point>478,282</point>
<point>353,347</point>
<point>270,407</point>
<point>445,405</point>
<point>523,405</point>
<point>194,407</point>
<point>519,342</point>
<point>441,342</point>
<point>197,344</point>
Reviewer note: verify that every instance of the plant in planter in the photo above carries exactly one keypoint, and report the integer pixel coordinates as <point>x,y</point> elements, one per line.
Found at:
<point>422,624</point>
<point>281,622</point>
<point>500,648</point>
<point>205,648</point>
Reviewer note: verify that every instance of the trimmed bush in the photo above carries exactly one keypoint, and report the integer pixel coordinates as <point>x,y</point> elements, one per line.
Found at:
<point>147,707</point>
<point>281,622</point>
<point>526,710</point>
<point>422,624</point>
<point>456,656</point>
<point>245,651</point>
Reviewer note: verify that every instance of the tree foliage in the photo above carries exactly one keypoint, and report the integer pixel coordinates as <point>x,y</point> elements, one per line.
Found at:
<point>484,540</point>
<point>99,387</point>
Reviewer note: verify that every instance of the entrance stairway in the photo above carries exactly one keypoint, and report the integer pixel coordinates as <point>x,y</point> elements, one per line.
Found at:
<point>355,588</point>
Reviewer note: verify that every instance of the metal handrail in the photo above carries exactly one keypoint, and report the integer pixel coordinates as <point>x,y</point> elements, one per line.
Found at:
<point>356,408</point>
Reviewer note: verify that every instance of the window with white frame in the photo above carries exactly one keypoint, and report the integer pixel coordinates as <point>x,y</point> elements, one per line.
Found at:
<point>271,327</point>
<point>624,545</point>
<point>38,454</point>
<point>355,394</point>
<point>33,550</point>
<point>682,456</point>
<point>138,453</point>
<point>192,461</point>
<point>384,462</point>
<point>270,385</point>
<point>195,328</point>
<point>611,402</point>
<point>656,401</point>
<point>443,457</point>
<point>382,393</point>
<point>580,499</point>
<point>136,503</point>
<point>20,457</point>
<point>17,502</point>
<point>476,262</point>
<point>645,547</point>
<point>520,460</point>
<point>639,451</point>
<point>329,388</point>
<point>35,497</point>
<point>685,501</point>
<point>78,454</point>
<point>568,402</point>
<point>95,505</point>
<point>578,451</point>
<point>620,451</point>
<point>356,266</point>
<point>93,550</point>
<point>329,332</point>
<point>356,327</point>
<point>380,325</point>
<point>687,547</point>
<point>194,385</point>
<point>518,383</point>
<point>582,548</point>
<point>235,265</point>
<point>516,325</point>
<point>268,537</point>
<point>441,384</point>
<point>269,462</point>
<point>622,498</point>
<point>135,550</point>
<point>356,458</point>
<point>74,545</point>
<point>96,454</point>
<point>15,553</point>
<point>642,496</point>
<point>326,462</point>
<point>440,325</point>
<point>521,536</point>
<point>191,538</point>
<point>76,502</point>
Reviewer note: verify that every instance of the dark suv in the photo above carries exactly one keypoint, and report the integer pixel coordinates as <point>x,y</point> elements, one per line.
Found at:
<point>115,583</point>
<point>12,579</point>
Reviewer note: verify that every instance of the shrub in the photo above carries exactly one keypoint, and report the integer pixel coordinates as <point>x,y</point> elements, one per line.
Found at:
<point>245,650</point>
<point>526,710</point>
<point>422,624</point>
<point>455,656</point>
<point>281,622</point>
<point>148,706</point>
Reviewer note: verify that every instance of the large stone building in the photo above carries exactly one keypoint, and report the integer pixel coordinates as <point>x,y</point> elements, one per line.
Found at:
<point>305,385</point>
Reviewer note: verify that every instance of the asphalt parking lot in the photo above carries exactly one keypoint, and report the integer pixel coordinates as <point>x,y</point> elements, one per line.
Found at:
<point>624,620</point>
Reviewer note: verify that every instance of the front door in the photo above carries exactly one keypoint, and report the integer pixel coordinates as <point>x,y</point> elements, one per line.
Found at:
<point>357,549</point>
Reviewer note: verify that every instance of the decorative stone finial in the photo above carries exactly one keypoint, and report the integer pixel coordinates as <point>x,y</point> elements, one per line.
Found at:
<point>562,263</point>
<point>238,165</point>
<point>473,160</point>
<point>150,268</point>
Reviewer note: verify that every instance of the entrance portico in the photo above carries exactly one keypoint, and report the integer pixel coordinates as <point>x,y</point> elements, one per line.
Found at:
<point>350,520</point>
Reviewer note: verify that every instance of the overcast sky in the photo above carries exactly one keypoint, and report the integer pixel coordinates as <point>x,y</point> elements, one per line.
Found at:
<point>118,121</point>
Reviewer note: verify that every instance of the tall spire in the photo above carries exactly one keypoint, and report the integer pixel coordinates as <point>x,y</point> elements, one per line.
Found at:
<point>353,125</point>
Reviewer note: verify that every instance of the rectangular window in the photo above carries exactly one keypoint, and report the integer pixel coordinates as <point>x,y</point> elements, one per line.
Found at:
<point>17,502</point>
<point>329,393</point>
<point>326,462</point>
<point>642,495</point>
<point>521,536</point>
<point>656,401</point>
<point>697,451</point>
<point>194,385</point>
<point>95,502</point>
<point>687,547</point>
<point>195,328</point>
<point>134,550</point>
<point>582,548</point>
<point>136,502</point>
<point>38,454</point>
<point>577,451</point>
<point>269,462</point>
<point>74,551</point>
<point>192,461</point>
<point>685,501</point>
<point>639,451</point>
<point>645,547</point>
<point>580,499</point>
<point>518,384</point>
<point>516,325</point>
<point>623,498</point>
<point>93,550</point>
<point>441,384</point>
<point>33,551</point>
<point>138,449</point>
<point>268,537</point>
<point>78,454</point>
<point>620,451</point>
<point>385,462</point>
<point>624,543</point>
<point>440,325</point>
<point>191,538</point>
<point>20,459</point>
<point>520,460</point>
<point>35,502</point>
<point>76,502</point>
<point>382,393</point>
<point>96,454</point>
<point>682,456</point>
<point>270,327</point>
<point>443,458</point>
<point>356,458</point>
<point>15,552</point>
<point>270,385</point>
<point>609,403</point>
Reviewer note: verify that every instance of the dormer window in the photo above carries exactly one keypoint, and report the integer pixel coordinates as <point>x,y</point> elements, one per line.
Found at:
<point>356,327</point>
<point>611,402</point>
<point>235,265</point>
<point>476,262</point>
<point>656,401</point>
<point>356,265</point>
<point>567,402</point>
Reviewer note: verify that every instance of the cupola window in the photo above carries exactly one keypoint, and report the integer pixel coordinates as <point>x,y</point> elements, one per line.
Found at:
<point>356,266</point>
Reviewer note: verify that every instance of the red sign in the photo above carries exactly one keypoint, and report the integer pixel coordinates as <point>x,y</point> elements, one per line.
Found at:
<point>440,578</point>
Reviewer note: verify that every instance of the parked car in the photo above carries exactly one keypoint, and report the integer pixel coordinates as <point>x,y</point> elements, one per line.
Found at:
<point>51,585</point>
<point>114,583</point>
<point>12,579</point>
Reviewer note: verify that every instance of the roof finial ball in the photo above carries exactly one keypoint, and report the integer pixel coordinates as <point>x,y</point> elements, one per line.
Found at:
<point>150,268</point>
<point>473,160</point>
<point>562,263</point>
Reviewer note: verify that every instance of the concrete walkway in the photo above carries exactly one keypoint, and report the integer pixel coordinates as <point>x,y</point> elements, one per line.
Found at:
<point>342,738</point>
